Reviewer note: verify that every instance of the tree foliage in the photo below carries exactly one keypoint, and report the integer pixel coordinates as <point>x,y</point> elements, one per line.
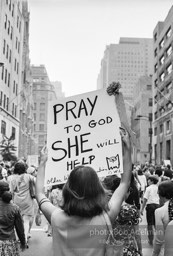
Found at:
<point>8,149</point>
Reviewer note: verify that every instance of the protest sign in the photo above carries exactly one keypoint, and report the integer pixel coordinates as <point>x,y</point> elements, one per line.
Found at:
<point>83,130</point>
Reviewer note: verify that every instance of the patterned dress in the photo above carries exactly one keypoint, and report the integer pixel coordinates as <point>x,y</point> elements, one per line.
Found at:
<point>124,230</point>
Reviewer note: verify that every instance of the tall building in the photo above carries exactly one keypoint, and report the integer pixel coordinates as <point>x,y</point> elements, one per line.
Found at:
<point>163,90</point>
<point>142,120</point>
<point>11,53</point>
<point>126,62</point>
<point>43,91</point>
<point>26,139</point>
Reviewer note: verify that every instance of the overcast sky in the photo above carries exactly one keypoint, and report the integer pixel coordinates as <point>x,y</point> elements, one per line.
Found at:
<point>69,36</point>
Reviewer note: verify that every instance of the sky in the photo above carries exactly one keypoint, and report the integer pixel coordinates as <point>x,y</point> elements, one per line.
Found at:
<point>69,37</point>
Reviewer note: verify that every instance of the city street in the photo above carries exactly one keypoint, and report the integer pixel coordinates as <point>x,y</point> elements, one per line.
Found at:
<point>40,243</point>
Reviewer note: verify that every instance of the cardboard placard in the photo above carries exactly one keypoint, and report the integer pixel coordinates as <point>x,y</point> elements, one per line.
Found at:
<point>83,130</point>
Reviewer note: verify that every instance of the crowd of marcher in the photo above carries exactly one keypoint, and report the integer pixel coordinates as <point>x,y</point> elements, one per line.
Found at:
<point>88,215</point>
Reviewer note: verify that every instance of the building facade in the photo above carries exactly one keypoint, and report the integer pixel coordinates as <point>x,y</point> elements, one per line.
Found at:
<point>163,90</point>
<point>11,53</point>
<point>142,120</point>
<point>43,92</point>
<point>26,139</point>
<point>126,62</point>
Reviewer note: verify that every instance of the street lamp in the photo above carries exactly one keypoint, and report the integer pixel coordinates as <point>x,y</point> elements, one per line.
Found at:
<point>149,119</point>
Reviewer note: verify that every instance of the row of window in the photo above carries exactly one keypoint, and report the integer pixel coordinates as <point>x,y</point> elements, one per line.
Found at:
<point>164,38</point>
<point>161,128</point>
<point>41,127</point>
<point>4,102</point>
<point>41,118</point>
<point>4,127</point>
<point>42,106</point>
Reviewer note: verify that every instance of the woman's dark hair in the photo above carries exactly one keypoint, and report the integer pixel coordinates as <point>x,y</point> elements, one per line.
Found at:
<point>83,193</point>
<point>111,182</point>
<point>158,171</point>
<point>140,172</point>
<point>7,196</point>
<point>165,189</point>
<point>19,168</point>
<point>153,179</point>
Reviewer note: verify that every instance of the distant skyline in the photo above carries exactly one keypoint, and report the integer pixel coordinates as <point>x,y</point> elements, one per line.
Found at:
<point>69,36</point>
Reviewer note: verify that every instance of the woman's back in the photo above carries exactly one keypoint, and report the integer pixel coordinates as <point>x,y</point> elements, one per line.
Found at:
<point>73,235</point>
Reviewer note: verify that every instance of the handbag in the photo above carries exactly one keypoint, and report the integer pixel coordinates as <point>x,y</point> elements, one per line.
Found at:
<point>31,188</point>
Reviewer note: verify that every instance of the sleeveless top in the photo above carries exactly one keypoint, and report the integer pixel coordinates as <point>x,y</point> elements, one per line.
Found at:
<point>77,236</point>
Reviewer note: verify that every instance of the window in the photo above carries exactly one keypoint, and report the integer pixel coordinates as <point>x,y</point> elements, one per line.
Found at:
<point>42,117</point>
<point>13,133</point>
<point>7,52</point>
<point>169,69</point>
<point>155,131</point>
<point>155,52</point>
<point>15,111</point>
<point>155,67</point>
<point>161,128</point>
<point>8,31</point>
<point>3,127</point>
<point>168,33</point>
<point>168,126</point>
<point>16,89</point>
<point>2,75</point>
<point>162,76</point>
<point>8,79</point>
<point>12,10</point>
<point>7,104</point>
<point>34,117</point>
<point>5,23</point>
<point>4,44</point>
<point>5,76</point>
<point>41,127</point>
<point>156,83</point>
<point>10,57</point>
<point>155,37</point>
<point>11,34</point>
<point>150,102</point>
<point>161,150</point>
<point>162,60</point>
<point>35,106</point>
<point>161,44</point>
<point>1,98</point>
<point>42,106</point>
<point>168,149</point>
<point>169,50</point>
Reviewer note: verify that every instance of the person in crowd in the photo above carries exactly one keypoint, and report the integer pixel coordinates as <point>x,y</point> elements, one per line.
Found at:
<point>151,201</point>
<point>133,195</point>
<point>143,182</point>
<point>167,174</point>
<point>84,206</point>
<point>20,189</point>
<point>32,171</point>
<point>165,191</point>
<point>55,197</point>
<point>159,173</point>
<point>10,221</point>
<point>126,236</point>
